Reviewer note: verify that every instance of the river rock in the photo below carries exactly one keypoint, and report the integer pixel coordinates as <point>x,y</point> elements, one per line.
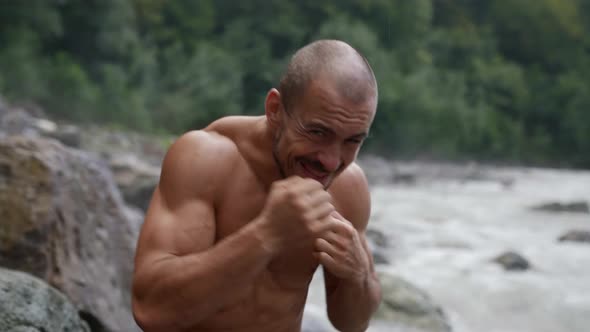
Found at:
<point>377,237</point>
<point>18,121</point>
<point>512,261</point>
<point>28,304</point>
<point>574,207</point>
<point>111,144</point>
<point>136,179</point>
<point>406,305</point>
<point>377,242</point>
<point>379,257</point>
<point>576,236</point>
<point>404,178</point>
<point>67,134</point>
<point>64,221</point>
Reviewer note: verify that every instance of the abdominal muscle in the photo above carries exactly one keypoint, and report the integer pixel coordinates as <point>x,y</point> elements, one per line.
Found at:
<point>269,305</point>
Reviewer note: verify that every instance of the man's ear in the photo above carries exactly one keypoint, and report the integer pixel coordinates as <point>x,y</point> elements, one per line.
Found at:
<point>273,108</point>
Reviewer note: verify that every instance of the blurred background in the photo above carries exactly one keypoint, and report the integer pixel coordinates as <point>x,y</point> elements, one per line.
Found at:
<point>478,157</point>
<point>491,80</point>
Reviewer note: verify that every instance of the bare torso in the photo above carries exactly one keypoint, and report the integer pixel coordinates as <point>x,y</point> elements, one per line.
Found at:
<point>181,227</point>
<point>275,301</point>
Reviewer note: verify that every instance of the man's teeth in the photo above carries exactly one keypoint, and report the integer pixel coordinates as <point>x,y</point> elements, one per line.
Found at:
<point>313,171</point>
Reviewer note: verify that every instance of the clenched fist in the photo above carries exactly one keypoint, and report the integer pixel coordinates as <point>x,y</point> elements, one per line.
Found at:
<point>341,250</point>
<point>296,212</point>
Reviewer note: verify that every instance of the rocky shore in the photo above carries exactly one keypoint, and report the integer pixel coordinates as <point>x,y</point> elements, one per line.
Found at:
<point>72,201</point>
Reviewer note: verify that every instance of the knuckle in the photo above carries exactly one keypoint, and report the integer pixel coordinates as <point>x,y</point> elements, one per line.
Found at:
<point>323,211</point>
<point>278,184</point>
<point>291,194</point>
<point>307,219</point>
<point>319,243</point>
<point>327,227</point>
<point>279,196</point>
<point>348,230</point>
<point>317,229</point>
<point>299,203</point>
<point>278,189</point>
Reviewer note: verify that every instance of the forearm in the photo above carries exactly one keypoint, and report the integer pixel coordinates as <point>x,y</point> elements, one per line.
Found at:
<point>351,303</point>
<point>180,291</point>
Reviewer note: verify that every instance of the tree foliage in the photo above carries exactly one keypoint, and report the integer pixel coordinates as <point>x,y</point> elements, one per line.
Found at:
<point>490,80</point>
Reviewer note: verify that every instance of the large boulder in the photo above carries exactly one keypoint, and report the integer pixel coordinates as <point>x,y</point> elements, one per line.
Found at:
<point>64,220</point>
<point>134,159</point>
<point>27,304</point>
<point>408,307</point>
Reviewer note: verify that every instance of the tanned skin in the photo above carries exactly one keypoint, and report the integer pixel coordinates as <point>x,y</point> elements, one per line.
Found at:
<point>245,212</point>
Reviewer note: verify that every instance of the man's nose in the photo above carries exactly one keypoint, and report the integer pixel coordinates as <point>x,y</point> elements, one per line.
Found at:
<point>330,159</point>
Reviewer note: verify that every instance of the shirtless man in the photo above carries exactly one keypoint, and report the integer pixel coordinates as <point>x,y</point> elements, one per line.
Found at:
<point>249,207</point>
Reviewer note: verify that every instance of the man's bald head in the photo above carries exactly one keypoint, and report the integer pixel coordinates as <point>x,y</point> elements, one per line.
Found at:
<point>333,60</point>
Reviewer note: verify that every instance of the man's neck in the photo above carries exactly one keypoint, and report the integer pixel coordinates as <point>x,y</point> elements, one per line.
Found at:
<point>260,153</point>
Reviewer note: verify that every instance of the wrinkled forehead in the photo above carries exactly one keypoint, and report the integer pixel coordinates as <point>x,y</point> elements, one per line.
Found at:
<point>324,105</point>
<point>352,97</point>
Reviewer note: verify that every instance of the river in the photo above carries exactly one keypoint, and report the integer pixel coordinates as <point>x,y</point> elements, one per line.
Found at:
<point>447,223</point>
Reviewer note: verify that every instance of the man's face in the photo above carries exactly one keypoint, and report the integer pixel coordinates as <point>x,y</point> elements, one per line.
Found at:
<point>321,134</point>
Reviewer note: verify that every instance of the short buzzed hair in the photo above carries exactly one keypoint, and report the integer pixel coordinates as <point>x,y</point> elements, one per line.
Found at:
<point>336,59</point>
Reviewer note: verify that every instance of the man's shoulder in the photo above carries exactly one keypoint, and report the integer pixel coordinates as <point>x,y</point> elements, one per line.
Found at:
<point>198,158</point>
<point>350,191</point>
<point>352,178</point>
<point>232,127</point>
<point>206,147</point>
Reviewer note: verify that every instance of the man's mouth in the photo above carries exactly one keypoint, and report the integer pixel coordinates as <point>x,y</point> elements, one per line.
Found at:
<point>313,172</point>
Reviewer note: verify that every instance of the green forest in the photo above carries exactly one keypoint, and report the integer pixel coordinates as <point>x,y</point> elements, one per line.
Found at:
<point>493,80</point>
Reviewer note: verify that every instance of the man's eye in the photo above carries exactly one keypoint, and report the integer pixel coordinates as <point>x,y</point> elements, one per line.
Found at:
<point>316,132</point>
